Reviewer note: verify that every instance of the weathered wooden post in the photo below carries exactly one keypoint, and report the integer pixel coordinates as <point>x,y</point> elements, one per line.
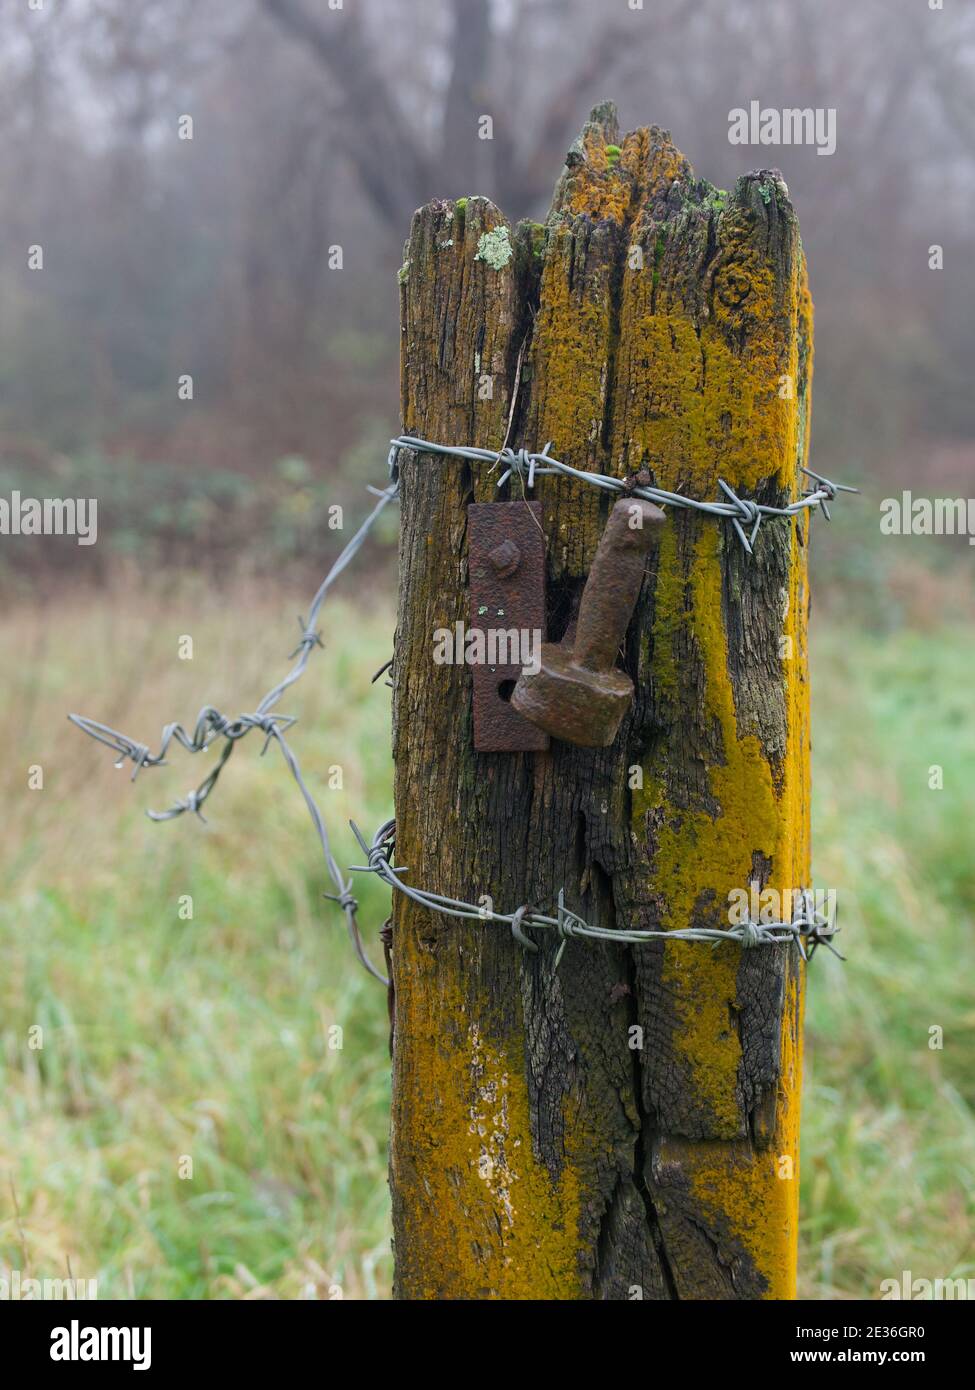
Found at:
<point>625,1125</point>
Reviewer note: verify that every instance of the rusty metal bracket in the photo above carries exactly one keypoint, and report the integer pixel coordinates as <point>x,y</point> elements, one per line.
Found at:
<point>506,548</point>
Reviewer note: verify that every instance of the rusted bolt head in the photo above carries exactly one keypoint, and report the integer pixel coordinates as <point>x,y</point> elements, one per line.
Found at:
<point>568,702</point>
<point>505,558</point>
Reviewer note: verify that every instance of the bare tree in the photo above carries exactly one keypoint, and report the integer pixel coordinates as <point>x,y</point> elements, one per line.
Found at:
<point>402,170</point>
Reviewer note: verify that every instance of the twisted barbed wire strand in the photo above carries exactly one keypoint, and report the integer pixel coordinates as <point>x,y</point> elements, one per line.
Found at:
<point>527,466</point>
<point>814,926</point>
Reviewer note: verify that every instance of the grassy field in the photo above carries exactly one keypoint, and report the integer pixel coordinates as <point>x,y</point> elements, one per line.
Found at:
<point>166,1038</point>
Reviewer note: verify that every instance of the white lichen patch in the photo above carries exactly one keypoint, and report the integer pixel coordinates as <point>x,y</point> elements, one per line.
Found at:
<point>495,248</point>
<point>490,1125</point>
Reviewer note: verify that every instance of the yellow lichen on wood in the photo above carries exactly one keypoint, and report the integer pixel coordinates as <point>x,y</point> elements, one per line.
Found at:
<point>750,1196</point>
<point>706,413</point>
<point>568,385</point>
<point>701,858</point>
<point>534,1154</point>
<point>492,1223</point>
<point>753,1198</point>
<point>606,185</point>
<point>715,385</point>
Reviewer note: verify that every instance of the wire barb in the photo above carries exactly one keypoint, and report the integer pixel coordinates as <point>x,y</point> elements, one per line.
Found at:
<point>527,466</point>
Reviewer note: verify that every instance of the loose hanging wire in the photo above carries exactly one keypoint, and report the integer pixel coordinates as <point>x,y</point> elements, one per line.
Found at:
<point>212,725</point>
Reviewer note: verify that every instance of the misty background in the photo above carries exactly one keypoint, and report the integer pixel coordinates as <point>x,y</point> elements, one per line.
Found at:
<point>315,128</point>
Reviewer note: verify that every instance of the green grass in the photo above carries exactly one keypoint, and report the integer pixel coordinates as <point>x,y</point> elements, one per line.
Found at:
<point>888,1157</point>
<point>209,1038</point>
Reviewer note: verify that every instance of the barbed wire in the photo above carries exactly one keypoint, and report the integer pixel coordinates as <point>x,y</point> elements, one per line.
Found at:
<point>527,466</point>
<point>810,925</point>
<point>211,725</point>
